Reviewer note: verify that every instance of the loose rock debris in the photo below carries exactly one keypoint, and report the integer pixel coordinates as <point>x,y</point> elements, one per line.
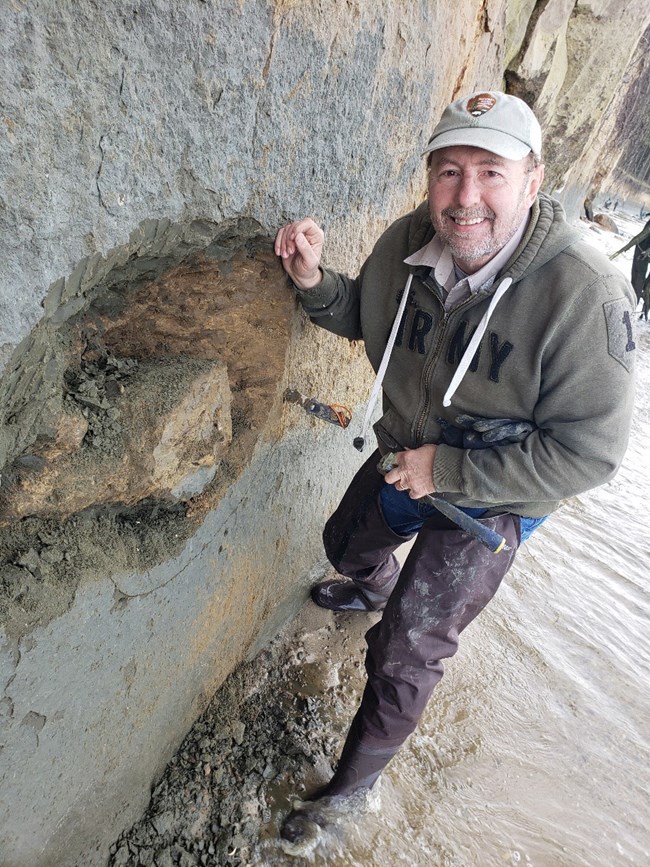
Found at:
<point>43,560</point>
<point>91,388</point>
<point>272,732</point>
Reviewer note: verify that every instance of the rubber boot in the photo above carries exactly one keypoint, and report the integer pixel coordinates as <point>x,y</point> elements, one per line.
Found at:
<point>447,580</point>
<point>359,767</point>
<point>360,545</point>
<point>358,770</point>
<point>347,596</point>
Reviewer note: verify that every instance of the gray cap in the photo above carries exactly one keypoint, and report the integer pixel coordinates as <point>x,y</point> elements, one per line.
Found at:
<point>494,121</point>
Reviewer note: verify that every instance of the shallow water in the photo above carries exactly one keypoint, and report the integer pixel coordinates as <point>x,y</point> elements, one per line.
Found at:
<point>535,748</point>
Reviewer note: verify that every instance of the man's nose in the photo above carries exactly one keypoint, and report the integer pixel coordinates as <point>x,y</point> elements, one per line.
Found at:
<point>468,192</point>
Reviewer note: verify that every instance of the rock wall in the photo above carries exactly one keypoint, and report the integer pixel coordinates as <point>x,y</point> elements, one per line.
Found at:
<point>627,176</point>
<point>574,66</point>
<point>160,506</point>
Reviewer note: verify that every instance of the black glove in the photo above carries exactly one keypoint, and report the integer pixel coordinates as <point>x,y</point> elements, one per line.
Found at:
<point>474,432</point>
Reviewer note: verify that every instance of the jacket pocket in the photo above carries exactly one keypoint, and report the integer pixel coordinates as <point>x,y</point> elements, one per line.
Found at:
<point>390,433</point>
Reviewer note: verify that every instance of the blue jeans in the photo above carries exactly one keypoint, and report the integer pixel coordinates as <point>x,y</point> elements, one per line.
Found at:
<point>405,516</point>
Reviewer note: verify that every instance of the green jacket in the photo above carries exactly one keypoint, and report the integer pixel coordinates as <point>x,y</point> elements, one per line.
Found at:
<point>558,352</point>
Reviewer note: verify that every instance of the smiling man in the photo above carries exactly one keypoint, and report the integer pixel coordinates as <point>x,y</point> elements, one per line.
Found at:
<point>509,388</point>
<point>478,201</point>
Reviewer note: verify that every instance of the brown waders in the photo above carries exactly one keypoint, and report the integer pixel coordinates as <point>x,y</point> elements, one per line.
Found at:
<point>447,579</point>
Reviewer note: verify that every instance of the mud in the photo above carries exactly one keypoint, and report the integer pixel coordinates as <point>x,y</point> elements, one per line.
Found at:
<point>272,733</point>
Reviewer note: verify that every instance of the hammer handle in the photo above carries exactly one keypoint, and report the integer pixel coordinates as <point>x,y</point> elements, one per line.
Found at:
<point>485,535</point>
<point>470,525</point>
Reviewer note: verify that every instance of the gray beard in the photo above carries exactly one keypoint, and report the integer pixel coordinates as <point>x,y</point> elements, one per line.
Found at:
<point>489,247</point>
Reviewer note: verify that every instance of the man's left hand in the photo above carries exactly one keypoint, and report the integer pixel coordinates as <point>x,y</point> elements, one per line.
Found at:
<point>413,471</point>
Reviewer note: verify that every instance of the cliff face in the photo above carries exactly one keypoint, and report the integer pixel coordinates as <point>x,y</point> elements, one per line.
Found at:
<point>564,68</point>
<point>629,176</point>
<point>160,504</point>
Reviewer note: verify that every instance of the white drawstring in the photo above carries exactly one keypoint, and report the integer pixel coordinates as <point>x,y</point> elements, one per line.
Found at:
<point>470,352</point>
<point>360,441</point>
<point>461,370</point>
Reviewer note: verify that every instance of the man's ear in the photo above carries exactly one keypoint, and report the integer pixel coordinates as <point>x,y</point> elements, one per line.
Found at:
<point>535,180</point>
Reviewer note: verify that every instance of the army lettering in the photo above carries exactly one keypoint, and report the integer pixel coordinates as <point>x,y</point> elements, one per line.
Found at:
<point>418,324</point>
<point>498,351</point>
<point>422,325</point>
<point>415,328</point>
<point>459,344</point>
<point>498,354</point>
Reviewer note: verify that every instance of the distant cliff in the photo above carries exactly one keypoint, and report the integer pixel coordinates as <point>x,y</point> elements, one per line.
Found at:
<point>160,506</point>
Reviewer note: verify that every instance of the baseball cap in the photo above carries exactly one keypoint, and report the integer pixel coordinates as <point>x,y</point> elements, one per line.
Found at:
<point>494,121</point>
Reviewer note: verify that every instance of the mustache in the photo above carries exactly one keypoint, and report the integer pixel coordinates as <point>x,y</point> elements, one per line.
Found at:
<point>469,213</point>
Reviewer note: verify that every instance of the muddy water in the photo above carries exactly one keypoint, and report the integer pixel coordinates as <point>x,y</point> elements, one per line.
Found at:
<point>535,749</point>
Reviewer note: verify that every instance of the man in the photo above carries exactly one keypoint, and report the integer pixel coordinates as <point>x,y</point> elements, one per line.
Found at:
<point>640,264</point>
<point>535,409</point>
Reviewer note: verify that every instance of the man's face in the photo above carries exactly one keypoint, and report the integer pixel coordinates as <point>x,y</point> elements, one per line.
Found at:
<point>477,201</point>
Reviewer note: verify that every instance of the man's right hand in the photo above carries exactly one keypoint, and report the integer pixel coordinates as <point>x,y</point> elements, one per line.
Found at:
<point>300,246</point>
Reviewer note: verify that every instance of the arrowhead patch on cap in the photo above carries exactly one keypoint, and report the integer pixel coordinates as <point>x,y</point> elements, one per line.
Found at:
<point>481,103</point>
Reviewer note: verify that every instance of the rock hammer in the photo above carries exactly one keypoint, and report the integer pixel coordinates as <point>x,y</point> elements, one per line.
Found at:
<point>485,535</point>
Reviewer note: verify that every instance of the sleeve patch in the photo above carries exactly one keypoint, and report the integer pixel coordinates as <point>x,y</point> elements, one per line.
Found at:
<point>621,341</point>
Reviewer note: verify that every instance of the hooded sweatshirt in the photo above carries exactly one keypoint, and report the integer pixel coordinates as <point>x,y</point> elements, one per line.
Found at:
<point>557,352</point>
